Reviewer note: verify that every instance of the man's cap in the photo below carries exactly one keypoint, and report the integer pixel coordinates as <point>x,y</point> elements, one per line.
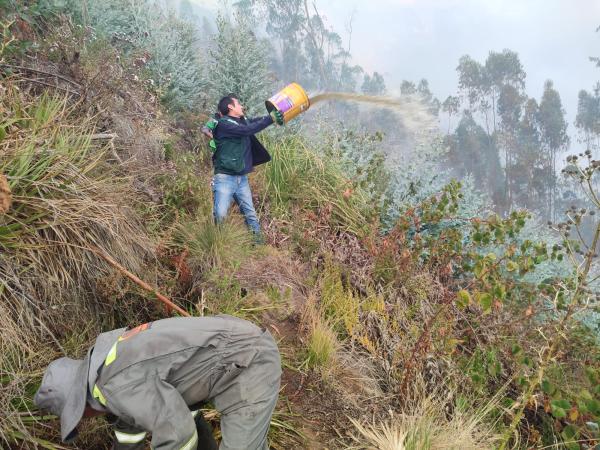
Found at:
<point>64,392</point>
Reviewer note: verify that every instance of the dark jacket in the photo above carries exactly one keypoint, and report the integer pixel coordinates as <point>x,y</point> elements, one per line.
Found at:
<point>238,150</point>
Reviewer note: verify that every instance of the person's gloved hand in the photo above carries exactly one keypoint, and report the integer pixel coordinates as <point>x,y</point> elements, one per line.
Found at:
<point>208,128</point>
<point>277,117</point>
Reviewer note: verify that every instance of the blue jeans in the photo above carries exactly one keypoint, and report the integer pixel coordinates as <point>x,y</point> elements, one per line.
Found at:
<point>234,187</point>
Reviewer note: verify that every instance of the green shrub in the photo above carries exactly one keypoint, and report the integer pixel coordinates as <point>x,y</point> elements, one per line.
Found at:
<point>298,180</point>
<point>339,305</point>
<point>322,346</point>
<point>214,246</point>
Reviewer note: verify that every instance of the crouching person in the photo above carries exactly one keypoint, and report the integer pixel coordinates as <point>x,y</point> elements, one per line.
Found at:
<point>152,379</point>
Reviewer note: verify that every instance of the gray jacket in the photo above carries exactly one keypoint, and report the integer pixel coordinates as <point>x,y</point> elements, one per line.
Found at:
<point>151,376</point>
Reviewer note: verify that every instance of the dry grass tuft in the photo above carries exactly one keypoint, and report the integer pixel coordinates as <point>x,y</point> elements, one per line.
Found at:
<point>213,246</point>
<point>356,382</point>
<point>427,425</point>
<point>65,200</point>
<point>272,267</point>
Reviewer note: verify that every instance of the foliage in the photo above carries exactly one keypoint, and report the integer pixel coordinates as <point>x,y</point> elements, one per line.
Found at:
<point>213,246</point>
<point>418,175</point>
<point>486,272</point>
<point>298,179</point>
<point>156,39</point>
<point>306,50</point>
<point>358,156</point>
<point>239,65</point>
<point>65,203</point>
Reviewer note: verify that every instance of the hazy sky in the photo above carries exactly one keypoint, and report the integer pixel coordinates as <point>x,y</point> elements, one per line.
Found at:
<point>414,39</point>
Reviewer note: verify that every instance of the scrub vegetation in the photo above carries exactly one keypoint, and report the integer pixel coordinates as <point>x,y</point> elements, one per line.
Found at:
<point>411,311</point>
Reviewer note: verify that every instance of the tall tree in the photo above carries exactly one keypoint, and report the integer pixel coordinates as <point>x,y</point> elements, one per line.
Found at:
<point>373,85</point>
<point>482,84</point>
<point>596,59</point>
<point>530,166</point>
<point>495,91</point>
<point>408,88</point>
<point>307,50</point>
<point>554,137</point>
<point>433,104</point>
<point>510,102</point>
<point>470,153</point>
<point>587,120</point>
<point>502,69</point>
<point>451,106</point>
<point>239,64</point>
<point>473,84</point>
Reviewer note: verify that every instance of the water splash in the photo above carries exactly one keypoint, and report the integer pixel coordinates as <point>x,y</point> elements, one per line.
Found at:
<point>414,114</point>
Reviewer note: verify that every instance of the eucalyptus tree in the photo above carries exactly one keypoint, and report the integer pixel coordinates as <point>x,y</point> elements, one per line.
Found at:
<point>470,153</point>
<point>451,106</point>
<point>554,137</point>
<point>373,85</point>
<point>494,89</point>
<point>239,64</point>
<point>587,120</point>
<point>306,49</point>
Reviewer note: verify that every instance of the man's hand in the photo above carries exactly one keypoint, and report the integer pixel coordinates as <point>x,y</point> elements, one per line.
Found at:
<point>208,128</point>
<point>277,117</point>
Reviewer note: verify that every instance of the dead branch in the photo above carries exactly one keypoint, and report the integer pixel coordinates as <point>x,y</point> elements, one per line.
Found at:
<point>170,305</point>
<point>33,80</point>
<point>30,69</point>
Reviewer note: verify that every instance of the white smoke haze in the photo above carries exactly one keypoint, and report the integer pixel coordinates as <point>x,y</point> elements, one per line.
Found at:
<point>525,44</point>
<point>411,40</point>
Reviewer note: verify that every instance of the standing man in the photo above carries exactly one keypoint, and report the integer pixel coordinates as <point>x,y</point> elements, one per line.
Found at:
<point>237,152</point>
<point>154,377</point>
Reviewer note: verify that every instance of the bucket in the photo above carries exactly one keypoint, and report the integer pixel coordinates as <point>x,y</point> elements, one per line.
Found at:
<point>290,101</point>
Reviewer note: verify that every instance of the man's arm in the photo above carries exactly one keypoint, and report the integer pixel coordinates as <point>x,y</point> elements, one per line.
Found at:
<point>156,406</point>
<point>227,128</point>
<point>254,119</point>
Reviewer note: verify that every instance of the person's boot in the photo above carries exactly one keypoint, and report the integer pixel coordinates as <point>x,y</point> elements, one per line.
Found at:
<point>206,440</point>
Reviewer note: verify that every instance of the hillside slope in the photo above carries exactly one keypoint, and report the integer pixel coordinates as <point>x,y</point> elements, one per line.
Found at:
<point>428,335</point>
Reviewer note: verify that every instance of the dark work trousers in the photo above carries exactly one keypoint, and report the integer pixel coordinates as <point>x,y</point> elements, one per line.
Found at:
<point>130,438</point>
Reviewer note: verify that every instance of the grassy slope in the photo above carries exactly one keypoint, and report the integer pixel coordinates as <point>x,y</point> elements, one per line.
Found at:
<point>346,315</point>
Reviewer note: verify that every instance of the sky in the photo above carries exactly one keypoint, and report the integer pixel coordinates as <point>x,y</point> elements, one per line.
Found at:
<point>414,39</point>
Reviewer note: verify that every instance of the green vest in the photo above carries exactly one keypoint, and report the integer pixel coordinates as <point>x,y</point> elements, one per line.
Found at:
<point>229,156</point>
